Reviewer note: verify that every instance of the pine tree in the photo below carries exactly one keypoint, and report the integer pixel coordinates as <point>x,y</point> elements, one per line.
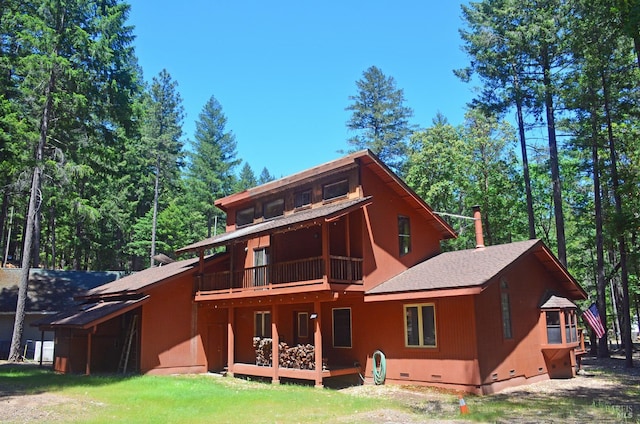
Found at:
<point>210,171</point>
<point>380,118</point>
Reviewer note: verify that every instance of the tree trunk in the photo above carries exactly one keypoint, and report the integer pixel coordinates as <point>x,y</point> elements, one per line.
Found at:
<point>625,313</point>
<point>18,325</point>
<point>553,158</point>
<point>601,282</point>
<point>525,159</point>
<point>52,225</point>
<point>155,212</point>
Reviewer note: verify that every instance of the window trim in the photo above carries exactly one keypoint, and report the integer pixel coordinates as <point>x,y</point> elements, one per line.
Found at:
<point>325,187</point>
<point>303,323</point>
<point>333,328</point>
<point>505,310</point>
<point>420,328</point>
<point>265,332</point>
<point>300,195</point>
<point>240,211</point>
<point>404,237</point>
<point>280,210</point>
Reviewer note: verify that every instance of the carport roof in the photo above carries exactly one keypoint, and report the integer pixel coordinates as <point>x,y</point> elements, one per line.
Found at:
<point>89,314</point>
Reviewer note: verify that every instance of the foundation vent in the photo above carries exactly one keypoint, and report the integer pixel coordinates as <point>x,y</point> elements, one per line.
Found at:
<point>512,373</point>
<point>494,377</point>
<point>436,376</point>
<point>404,374</point>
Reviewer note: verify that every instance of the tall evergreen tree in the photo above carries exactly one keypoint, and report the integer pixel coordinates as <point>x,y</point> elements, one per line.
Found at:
<point>66,52</point>
<point>211,168</point>
<point>380,118</point>
<point>162,132</point>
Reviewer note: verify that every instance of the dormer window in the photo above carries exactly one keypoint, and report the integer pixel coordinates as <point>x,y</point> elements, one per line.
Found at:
<point>302,199</point>
<point>335,190</point>
<point>244,217</point>
<point>273,208</point>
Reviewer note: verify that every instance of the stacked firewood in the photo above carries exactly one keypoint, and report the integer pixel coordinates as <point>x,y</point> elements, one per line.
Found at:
<point>299,357</point>
<point>263,348</point>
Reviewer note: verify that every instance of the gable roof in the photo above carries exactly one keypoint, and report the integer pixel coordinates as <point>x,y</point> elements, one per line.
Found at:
<point>473,268</point>
<point>140,281</point>
<point>282,223</point>
<point>49,290</point>
<point>365,158</point>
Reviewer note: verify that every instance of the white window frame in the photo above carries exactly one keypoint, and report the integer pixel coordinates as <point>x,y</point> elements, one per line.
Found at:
<point>265,330</point>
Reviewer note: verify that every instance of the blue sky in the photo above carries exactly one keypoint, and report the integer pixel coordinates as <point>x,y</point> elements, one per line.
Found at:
<point>283,70</point>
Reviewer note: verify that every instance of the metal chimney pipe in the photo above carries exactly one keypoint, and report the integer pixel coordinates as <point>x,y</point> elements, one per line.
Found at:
<point>477,218</point>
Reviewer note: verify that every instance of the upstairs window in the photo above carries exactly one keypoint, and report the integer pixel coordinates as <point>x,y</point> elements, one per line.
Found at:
<point>273,208</point>
<point>244,217</point>
<point>335,190</point>
<point>420,325</point>
<point>302,198</point>
<point>404,235</point>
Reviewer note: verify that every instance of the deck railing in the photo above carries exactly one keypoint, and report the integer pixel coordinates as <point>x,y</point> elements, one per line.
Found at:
<point>342,270</point>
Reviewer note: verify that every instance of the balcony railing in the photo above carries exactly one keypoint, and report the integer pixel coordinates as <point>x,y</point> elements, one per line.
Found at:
<point>342,269</point>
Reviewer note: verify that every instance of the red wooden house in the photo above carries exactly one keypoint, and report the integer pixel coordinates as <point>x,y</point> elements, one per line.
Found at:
<point>319,270</point>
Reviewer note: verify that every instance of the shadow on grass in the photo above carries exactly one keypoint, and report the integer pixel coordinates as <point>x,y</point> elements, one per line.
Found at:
<point>27,379</point>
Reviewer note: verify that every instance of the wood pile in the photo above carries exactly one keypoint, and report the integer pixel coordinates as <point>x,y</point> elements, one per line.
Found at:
<point>299,357</point>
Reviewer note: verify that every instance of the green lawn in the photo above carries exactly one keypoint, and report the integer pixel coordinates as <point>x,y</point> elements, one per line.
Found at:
<point>185,399</point>
<point>604,396</point>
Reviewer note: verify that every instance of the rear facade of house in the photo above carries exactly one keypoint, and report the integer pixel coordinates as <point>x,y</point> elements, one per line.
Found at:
<point>319,270</point>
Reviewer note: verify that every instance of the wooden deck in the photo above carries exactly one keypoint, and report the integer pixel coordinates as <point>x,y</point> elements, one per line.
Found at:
<point>268,372</point>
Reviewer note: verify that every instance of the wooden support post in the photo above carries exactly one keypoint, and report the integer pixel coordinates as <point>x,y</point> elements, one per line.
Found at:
<point>88,366</point>
<point>326,252</point>
<point>41,347</point>
<point>317,341</point>
<point>230,340</point>
<point>275,345</point>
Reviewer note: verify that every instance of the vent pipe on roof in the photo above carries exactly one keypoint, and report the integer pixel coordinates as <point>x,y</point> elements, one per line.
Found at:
<point>477,218</point>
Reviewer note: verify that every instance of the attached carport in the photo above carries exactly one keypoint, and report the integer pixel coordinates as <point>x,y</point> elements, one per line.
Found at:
<point>101,334</point>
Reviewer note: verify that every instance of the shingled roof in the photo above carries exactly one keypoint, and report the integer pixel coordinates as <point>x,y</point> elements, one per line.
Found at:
<point>142,280</point>
<point>473,268</point>
<point>49,290</point>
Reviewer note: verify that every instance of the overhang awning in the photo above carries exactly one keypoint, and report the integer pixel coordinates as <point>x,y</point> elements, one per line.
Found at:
<point>289,222</point>
<point>88,315</point>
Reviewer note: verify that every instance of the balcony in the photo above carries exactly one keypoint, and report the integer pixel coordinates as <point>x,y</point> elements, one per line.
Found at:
<point>278,277</point>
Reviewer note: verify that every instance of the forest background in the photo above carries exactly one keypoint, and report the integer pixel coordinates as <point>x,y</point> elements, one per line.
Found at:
<point>96,174</point>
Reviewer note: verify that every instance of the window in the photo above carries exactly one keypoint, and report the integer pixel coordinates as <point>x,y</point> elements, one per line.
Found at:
<point>273,208</point>
<point>302,198</point>
<point>506,310</point>
<point>420,325</point>
<point>554,335</point>
<point>404,235</point>
<point>337,189</point>
<point>342,327</point>
<point>244,217</point>
<point>303,324</point>
<point>261,268</point>
<point>571,326</point>
<point>262,324</point>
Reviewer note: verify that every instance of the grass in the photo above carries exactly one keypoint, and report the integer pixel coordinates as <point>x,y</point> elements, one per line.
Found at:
<point>184,399</point>
<point>202,398</point>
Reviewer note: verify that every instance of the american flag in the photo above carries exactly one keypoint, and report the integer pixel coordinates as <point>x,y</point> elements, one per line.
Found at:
<point>593,318</point>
